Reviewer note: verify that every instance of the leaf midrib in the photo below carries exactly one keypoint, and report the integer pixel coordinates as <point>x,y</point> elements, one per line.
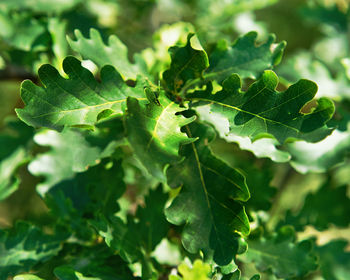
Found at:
<point>247,112</point>
<point>83,108</point>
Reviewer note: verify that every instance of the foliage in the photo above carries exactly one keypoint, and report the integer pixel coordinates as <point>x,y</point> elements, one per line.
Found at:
<point>167,140</point>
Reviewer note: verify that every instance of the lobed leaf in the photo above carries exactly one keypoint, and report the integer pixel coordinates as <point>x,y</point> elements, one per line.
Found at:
<point>281,255</point>
<point>94,49</point>
<point>209,201</point>
<point>69,153</point>
<point>136,239</point>
<point>262,110</point>
<point>154,133</point>
<point>77,101</point>
<point>187,64</point>
<point>321,156</point>
<point>245,57</point>
<point>24,246</point>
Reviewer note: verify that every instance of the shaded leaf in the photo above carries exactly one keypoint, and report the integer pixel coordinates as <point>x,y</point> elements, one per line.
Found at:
<point>262,110</point>
<point>13,140</point>
<point>281,255</point>
<point>261,191</point>
<point>86,196</point>
<point>334,260</point>
<point>9,183</point>
<point>67,273</point>
<point>70,153</point>
<point>20,30</point>
<point>136,239</point>
<point>245,57</point>
<point>77,101</point>
<point>208,203</point>
<point>154,133</point>
<point>321,209</point>
<point>24,246</point>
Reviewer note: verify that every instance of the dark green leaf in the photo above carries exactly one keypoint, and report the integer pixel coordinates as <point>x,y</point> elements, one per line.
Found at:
<point>262,110</point>
<point>77,101</point>
<point>245,57</point>
<point>67,273</point>
<point>24,246</point>
<point>321,209</point>
<point>74,202</point>
<point>208,203</point>
<point>281,255</point>
<point>137,239</point>
<point>187,64</point>
<point>334,260</point>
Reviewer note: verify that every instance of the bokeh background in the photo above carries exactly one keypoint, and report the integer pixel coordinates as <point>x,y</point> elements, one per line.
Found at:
<point>317,32</point>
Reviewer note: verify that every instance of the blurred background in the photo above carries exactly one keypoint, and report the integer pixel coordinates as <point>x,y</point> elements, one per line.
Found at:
<point>317,32</point>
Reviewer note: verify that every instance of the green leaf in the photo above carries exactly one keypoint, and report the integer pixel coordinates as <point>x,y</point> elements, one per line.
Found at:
<point>115,53</point>
<point>334,260</point>
<point>208,203</point>
<point>281,255</point>
<point>70,153</point>
<point>187,63</point>
<point>13,140</point>
<point>27,277</point>
<point>245,57</point>
<point>67,273</point>
<point>72,201</point>
<point>261,148</point>
<point>315,213</point>
<point>321,156</point>
<point>92,259</point>
<point>199,271</point>
<point>237,276</point>
<point>261,192</point>
<point>77,101</point>
<point>262,110</point>
<point>154,133</point>
<point>40,6</point>
<point>9,183</point>
<point>189,66</point>
<point>20,30</point>
<point>303,65</point>
<point>58,28</point>
<point>157,58</point>
<point>153,226</point>
<point>24,246</point>
<point>139,237</point>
